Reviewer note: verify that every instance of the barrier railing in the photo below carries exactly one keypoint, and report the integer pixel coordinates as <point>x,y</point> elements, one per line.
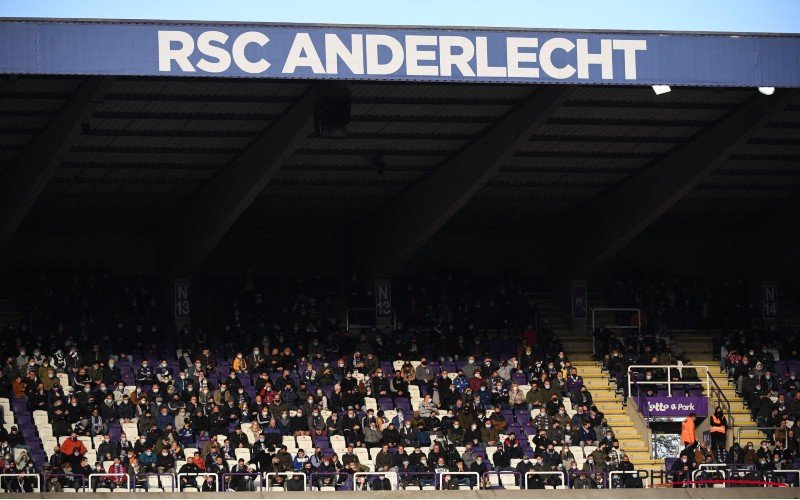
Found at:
<point>788,476</point>
<point>596,310</point>
<point>96,479</point>
<point>621,474</point>
<point>367,484</point>
<point>271,484</point>
<point>703,384</point>
<point>448,476</point>
<point>708,474</point>
<point>194,483</point>
<point>173,482</point>
<point>69,477</point>
<point>515,478</point>
<point>319,480</point>
<point>357,321</point>
<point>590,474</point>
<point>529,483</point>
<point>19,482</point>
<point>248,481</point>
<point>757,428</point>
<point>418,479</point>
<point>659,477</point>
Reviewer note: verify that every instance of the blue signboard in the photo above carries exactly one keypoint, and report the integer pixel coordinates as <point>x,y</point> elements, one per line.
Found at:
<point>404,54</point>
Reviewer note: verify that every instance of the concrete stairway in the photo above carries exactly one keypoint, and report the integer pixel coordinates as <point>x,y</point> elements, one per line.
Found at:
<point>699,349</point>
<point>605,397</point>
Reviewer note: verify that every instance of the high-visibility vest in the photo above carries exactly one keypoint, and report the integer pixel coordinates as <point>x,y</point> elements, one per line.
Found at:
<point>716,424</point>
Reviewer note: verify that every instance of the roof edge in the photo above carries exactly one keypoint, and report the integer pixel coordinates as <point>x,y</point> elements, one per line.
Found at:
<point>386,26</point>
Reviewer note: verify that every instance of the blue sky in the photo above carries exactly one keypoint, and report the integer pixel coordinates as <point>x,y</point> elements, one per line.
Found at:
<point>690,15</point>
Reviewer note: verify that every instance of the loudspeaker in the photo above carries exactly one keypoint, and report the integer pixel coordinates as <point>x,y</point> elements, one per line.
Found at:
<point>332,113</point>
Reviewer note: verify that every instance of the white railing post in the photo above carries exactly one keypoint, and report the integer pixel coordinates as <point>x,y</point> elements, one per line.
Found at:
<point>287,475</point>
<point>195,475</point>
<point>440,478</point>
<point>554,473</point>
<point>23,475</point>
<point>110,474</point>
<point>717,468</point>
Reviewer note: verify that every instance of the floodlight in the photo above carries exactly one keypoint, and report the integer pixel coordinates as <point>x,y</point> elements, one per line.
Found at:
<point>661,89</point>
<point>766,90</point>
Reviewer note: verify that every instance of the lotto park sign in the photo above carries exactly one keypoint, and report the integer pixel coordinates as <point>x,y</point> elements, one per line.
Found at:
<point>672,406</point>
<point>160,48</point>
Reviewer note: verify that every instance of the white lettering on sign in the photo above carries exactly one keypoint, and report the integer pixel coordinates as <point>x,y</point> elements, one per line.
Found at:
<point>379,54</point>
<point>674,406</point>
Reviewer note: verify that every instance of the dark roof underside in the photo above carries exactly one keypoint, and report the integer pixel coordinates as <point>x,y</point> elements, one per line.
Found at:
<point>154,141</point>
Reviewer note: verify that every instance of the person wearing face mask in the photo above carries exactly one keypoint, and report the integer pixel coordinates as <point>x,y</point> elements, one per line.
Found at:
<point>791,385</point>
<point>456,433</point>
<point>479,466</point>
<point>718,429</point>
<point>164,373</point>
<point>316,423</point>
<point>145,374</point>
<point>522,468</point>
<point>682,471</point>
<point>255,361</point>
<point>750,456</point>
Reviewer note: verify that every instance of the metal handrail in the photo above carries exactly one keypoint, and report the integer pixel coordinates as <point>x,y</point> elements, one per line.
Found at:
<point>288,475</point>
<point>110,475</point>
<point>669,383</point>
<point>441,475</point>
<point>410,476</point>
<point>47,477</point>
<point>618,327</point>
<point>720,395</point>
<point>335,475</point>
<point>613,473</point>
<point>388,475</point>
<point>590,474</point>
<point>796,473</point>
<point>195,475</point>
<point>644,397</point>
<point>757,428</point>
<point>349,325</point>
<point>159,475</point>
<point>701,471</point>
<point>516,475</point>
<point>545,473</point>
<point>23,475</point>
<point>227,476</point>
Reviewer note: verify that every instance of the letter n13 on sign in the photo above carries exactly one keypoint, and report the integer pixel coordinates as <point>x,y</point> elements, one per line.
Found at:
<point>383,300</point>
<point>770,300</point>
<point>183,307</point>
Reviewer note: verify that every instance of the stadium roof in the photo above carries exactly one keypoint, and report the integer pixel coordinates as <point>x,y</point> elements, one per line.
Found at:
<point>149,146</point>
<point>152,142</point>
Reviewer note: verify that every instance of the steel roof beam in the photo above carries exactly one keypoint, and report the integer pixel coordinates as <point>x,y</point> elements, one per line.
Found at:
<point>585,239</point>
<point>393,234</point>
<point>188,235</point>
<point>24,181</point>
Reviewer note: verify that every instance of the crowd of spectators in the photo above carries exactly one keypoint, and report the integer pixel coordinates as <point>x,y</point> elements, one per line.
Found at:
<point>669,301</point>
<point>763,363</point>
<point>464,382</point>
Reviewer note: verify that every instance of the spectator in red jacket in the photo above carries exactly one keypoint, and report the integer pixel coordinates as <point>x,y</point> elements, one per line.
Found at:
<point>72,443</point>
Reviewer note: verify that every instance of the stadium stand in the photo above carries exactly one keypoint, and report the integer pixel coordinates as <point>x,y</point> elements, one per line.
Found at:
<point>105,401</point>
